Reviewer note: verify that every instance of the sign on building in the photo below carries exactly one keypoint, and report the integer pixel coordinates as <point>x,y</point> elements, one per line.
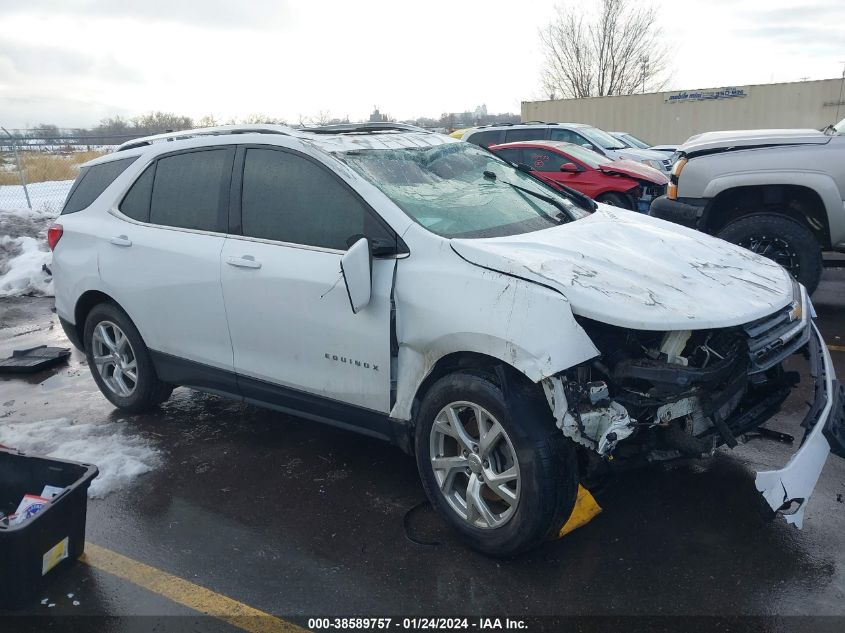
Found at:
<point>705,95</point>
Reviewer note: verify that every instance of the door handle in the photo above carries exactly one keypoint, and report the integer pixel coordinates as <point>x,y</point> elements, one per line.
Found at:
<point>247,261</point>
<point>121,240</point>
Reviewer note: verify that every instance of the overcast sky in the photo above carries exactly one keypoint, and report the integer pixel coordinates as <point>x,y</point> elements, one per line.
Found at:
<point>73,62</point>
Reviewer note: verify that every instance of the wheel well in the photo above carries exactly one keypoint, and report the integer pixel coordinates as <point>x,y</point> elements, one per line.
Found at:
<point>500,373</point>
<point>84,305</point>
<point>801,204</point>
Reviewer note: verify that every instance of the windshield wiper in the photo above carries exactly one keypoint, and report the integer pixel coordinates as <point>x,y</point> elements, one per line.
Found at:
<point>491,176</point>
<point>576,196</point>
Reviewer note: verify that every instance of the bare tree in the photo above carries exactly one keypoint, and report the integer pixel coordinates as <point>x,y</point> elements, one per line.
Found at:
<point>620,49</point>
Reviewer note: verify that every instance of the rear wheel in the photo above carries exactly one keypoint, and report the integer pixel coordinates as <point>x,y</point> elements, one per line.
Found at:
<point>497,469</point>
<point>782,240</point>
<point>120,361</point>
<point>615,200</point>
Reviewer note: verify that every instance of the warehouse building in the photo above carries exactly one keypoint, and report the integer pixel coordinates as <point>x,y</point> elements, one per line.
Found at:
<point>672,117</point>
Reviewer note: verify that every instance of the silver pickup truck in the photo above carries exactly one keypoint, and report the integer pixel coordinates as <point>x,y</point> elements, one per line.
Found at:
<point>778,193</point>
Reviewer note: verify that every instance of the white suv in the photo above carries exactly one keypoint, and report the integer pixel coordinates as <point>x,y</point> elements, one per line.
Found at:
<point>397,282</point>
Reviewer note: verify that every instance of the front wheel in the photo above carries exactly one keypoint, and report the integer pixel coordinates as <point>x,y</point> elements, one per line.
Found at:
<point>497,469</point>
<point>615,200</point>
<point>781,239</point>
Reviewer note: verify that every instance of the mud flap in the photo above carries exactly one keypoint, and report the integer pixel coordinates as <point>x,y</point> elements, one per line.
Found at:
<point>585,510</point>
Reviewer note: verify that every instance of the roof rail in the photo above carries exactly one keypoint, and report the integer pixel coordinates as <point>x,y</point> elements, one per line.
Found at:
<point>364,128</point>
<point>207,131</point>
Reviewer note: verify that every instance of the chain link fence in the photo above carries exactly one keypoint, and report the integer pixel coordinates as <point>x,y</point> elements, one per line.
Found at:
<point>36,174</point>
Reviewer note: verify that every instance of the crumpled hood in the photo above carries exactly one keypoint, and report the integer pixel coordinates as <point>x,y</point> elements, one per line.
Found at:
<point>633,169</point>
<point>635,271</point>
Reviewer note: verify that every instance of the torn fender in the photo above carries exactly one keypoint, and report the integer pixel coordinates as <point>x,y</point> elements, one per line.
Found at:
<point>524,324</point>
<point>788,490</point>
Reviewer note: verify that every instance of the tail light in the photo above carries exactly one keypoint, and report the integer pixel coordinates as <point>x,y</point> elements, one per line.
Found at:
<point>54,234</point>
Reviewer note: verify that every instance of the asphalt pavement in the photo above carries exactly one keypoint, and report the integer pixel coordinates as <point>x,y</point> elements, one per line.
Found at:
<point>297,519</point>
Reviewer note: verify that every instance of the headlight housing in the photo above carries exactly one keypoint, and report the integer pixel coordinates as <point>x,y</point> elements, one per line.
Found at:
<point>674,176</point>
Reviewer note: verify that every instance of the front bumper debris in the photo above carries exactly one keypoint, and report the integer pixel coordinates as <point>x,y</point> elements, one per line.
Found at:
<point>788,490</point>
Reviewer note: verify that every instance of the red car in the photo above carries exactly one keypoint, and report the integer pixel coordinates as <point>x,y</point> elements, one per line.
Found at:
<point>621,183</point>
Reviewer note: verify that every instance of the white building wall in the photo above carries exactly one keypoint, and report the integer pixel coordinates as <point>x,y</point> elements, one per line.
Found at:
<point>655,119</point>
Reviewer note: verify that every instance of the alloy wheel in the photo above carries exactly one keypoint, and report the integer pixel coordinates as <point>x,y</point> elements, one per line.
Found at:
<point>475,464</point>
<point>114,359</point>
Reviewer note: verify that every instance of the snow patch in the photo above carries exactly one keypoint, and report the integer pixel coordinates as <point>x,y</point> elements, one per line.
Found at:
<point>23,237</point>
<point>25,273</point>
<point>120,457</point>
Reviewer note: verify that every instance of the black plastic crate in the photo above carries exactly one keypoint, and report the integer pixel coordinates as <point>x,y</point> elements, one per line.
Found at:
<point>50,540</point>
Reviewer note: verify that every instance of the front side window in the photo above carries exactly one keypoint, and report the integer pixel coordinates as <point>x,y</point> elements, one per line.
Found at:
<point>568,136</point>
<point>587,156</point>
<point>288,198</point>
<point>601,138</point>
<point>459,190</point>
<point>190,190</point>
<point>92,181</point>
<point>636,142</point>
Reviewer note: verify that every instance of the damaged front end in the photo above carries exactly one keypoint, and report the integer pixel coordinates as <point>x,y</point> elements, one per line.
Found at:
<point>655,396</point>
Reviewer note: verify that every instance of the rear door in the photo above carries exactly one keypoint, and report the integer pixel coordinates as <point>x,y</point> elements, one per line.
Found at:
<point>160,259</point>
<point>296,341</point>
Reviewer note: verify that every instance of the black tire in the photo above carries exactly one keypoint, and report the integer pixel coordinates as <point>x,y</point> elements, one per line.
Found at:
<point>149,391</point>
<point>781,239</point>
<point>615,200</point>
<point>547,463</point>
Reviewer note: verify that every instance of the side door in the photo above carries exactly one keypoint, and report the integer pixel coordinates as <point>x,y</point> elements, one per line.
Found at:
<point>548,163</point>
<point>297,343</point>
<point>159,257</point>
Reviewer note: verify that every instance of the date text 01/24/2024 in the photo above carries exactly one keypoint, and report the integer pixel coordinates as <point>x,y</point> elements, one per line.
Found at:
<point>416,624</point>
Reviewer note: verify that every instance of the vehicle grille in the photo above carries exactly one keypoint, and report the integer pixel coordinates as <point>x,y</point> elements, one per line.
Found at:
<point>773,338</point>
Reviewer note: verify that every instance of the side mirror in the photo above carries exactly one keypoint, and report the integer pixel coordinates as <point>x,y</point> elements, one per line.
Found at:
<point>356,266</point>
<point>569,167</point>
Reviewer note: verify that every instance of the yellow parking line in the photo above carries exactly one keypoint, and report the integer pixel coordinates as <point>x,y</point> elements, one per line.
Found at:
<point>836,348</point>
<point>185,593</point>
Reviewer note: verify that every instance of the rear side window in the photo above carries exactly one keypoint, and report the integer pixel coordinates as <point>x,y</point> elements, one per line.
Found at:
<point>136,202</point>
<point>513,155</point>
<point>485,139</point>
<point>190,190</point>
<point>288,198</point>
<point>92,181</point>
<point>535,134</point>
<point>544,160</point>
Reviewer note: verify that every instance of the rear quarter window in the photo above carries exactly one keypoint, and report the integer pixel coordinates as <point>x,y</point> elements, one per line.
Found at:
<point>93,181</point>
<point>485,139</point>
